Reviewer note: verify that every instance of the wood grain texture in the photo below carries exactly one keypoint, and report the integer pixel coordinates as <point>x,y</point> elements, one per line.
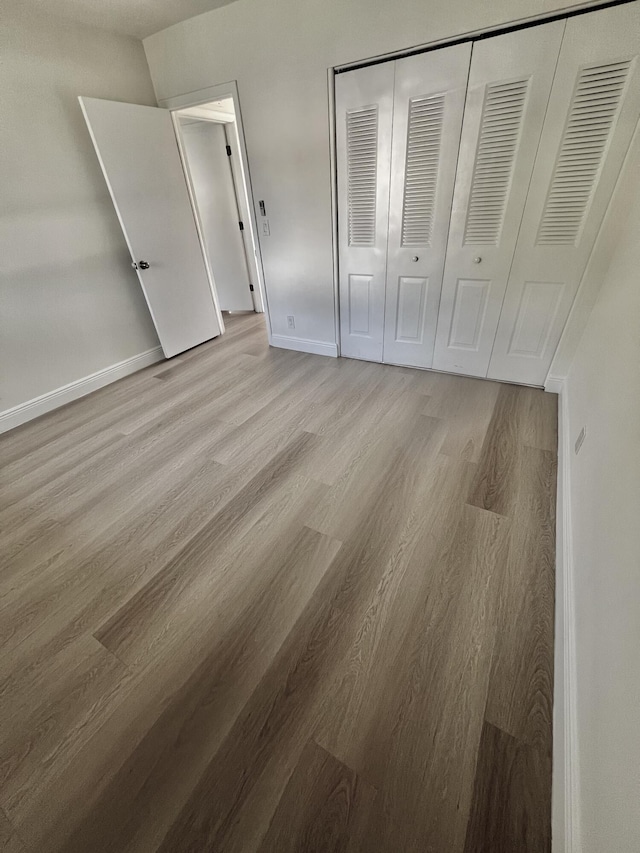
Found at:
<point>256,600</point>
<point>324,808</point>
<point>511,810</point>
<point>496,481</point>
<point>521,417</point>
<point>440,671</point>
<point>467,412</point>
<point>520,688</point>
<point>9,841</point>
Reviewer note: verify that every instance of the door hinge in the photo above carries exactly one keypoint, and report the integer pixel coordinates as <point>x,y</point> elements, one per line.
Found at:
<point>241,224</point>
<point>251,288</point>
<point>228,151</point>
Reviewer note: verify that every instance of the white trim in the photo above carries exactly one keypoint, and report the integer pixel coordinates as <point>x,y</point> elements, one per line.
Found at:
<point>199,114</point>
<point>200,96</point>
<point>333,165</point>
<point>54,399</point>
<point>242,200</point>
<point>304,345</point>
<point>566,790</point>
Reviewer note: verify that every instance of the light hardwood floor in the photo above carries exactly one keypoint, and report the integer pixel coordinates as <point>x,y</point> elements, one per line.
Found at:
<point>258,600</point>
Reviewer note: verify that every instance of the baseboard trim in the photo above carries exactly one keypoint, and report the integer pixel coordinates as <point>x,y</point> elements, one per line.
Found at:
<point>566,793</point>
<point>304,345</point>
<point>54,399</point>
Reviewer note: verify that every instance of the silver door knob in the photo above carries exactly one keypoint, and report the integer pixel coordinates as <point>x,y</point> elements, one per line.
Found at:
<point>477,260</point>
<point>415,258</point>
<point>141,265</point>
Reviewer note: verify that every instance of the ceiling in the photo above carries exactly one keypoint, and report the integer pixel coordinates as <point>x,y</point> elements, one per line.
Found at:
<point>140,18</point>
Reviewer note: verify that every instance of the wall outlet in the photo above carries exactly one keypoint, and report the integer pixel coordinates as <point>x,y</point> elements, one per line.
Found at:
<point>265,228</point>
<point>291,323</point>
<point>580,439</point>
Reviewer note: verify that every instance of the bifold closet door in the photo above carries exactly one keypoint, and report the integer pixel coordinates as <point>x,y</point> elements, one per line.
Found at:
<point>509,85</point>
<point>428,107</point>
<point>364,114</point>
<point>593,111</point>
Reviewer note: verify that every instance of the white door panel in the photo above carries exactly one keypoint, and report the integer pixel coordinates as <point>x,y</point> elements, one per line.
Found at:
<point>205,144</point>
<point>469,313</point>
<point>240,186</point>
<point>138,153</point>
<point>509,85</point>
<point>364,113</point>
<point>410,311</point>
<point>593,110</point>
<point>427,118</point>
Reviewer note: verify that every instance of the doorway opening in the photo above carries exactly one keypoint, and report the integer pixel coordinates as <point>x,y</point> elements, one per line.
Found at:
<point>209,141</point>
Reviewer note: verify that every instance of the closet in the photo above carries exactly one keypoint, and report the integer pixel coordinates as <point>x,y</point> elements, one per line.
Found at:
<point>472,182</point>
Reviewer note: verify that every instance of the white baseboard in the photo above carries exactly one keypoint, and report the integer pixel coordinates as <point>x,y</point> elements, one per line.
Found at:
<point>54,399</point>
<point>566,792</point>
<point>304,345</point>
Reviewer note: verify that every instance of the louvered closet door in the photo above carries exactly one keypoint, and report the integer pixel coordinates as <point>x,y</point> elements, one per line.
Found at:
<point>364,112</point>
<point>509,85</point>
<point>427,120</point>
<point>593,110</point>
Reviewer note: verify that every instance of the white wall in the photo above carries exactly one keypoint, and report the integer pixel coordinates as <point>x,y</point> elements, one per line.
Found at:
<point>279,52</point>
<point>69,303</point>
<point>603,393</point>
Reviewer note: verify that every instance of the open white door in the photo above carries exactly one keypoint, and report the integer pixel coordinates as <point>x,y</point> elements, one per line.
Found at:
<point>138,153</point>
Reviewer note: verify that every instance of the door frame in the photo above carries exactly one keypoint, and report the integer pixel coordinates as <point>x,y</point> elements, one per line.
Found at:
<point>180,129</point>
<point>204,96</point>
<point>335,237</point>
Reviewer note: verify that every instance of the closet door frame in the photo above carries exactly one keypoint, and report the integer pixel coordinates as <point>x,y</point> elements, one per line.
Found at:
<point>363,61</point>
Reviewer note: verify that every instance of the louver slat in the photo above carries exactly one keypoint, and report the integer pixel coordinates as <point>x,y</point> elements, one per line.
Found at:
<point>421,171</point>
<point>495,157</point>
<point>593,110</point>
<point>362,165</point>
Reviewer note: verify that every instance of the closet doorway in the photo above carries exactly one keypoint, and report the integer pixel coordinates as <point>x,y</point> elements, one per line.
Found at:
<point>472,181</point>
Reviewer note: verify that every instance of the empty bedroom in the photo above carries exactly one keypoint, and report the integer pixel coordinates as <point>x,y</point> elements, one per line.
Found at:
<point>319,426</point>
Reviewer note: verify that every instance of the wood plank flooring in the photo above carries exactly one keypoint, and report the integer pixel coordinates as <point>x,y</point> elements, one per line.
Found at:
<point>259,601</point>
